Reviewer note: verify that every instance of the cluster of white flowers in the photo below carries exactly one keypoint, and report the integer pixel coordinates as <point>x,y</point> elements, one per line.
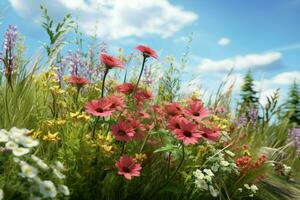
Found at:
<point>249,189</point>
<point>219,164</point>
<point>204,181</point>
<point>19,143</point>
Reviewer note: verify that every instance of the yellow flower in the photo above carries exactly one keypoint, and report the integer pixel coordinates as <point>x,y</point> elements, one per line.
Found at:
<point>53,137</point>
<point>34,134</point>
<point>107,148</point>
<point>56,89</point>
<point>84,117</point>
<point>61,122</point>
<point>140,157</point>
<point>74,115</point>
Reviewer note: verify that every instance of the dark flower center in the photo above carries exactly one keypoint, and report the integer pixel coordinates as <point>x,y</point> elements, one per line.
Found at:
<point>99,110</point>
<point>122,132</point>
<point>196,114</point>
<point>187,133</point>
<point>177,126</point>
<point>126,169</point>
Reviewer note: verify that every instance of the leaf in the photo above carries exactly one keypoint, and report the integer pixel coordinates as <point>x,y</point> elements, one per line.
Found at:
<point>167,148</point>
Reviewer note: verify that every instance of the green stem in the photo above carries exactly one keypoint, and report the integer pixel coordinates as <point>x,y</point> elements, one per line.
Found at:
<point>174,174</point>
<point>140,76</point>
<point>103,82</point>
<point>94,128</point>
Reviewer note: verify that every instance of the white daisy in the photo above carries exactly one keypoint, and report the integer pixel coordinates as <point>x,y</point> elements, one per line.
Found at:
<point>39,162</point>
<point>1,194</point>
<point>47,189</point>
<point>20,151</point>
<point>15,133</point>
<point>28,142</point>
<point>64,190</point>
<point>58,174</point>
<point>60,166</point>
<point>11,145</point>
<point>28,170</point>
<point>3,135</point>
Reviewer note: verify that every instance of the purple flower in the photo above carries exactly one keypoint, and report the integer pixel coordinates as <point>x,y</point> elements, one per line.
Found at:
<point>253,114</point>
<point>148,77</point>
<point>294,134</point>
<point>7,55</point>
<point>73,62</point>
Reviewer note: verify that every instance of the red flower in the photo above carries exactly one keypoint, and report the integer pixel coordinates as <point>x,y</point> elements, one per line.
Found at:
<point>142,95</point>
<point>116,102</point>
<point>147,51</point>
<point>78,81</point>
<point>139,129</point>
<point>174,123</point>
<point>196,110</point>
<point>173,109</point>
<point>110,61</point>
<point>122,131</point>
<point>188,132</point>
<point>125,88</point>
<point>211,133</point>
<point>100,107</point>
<point>128,167</point>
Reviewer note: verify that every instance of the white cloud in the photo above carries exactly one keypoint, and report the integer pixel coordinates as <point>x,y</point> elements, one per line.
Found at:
<point>224,41</point>
<point>286,77</point>
<point>240,62</point>
<point>115,19</point>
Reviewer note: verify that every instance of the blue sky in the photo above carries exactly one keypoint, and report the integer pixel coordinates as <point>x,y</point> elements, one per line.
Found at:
<point>261,35</point>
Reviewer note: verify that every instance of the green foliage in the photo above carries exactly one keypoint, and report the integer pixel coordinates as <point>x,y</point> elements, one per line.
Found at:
<point>248,93</point>
<point>292,104</point>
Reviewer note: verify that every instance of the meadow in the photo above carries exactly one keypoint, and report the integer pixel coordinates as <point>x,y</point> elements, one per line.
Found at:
<point>81,125</point>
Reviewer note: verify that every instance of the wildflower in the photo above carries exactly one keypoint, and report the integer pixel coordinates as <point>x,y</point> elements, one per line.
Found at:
<point>100,107</point>
<point>58,174</point>
<point>73,61</point>
<point>107,148</point>
<point>116,102</point>
<point>60,166</point>
<point>110,61</point>
<point>125,88</point>
<point>122,131</point>
<point>47,189</point>
<point>174,123</point>
<point>1,194</point>
<point>11,145</point>
<point>142,95</point>
<point>53,137</point>
<point>188,132</point>
<point>138,128</point>
<point>56,90</point>
<point>64,190</point>
<point>173,109</point>
<point>211,133</point>
<point>27,170</point>
<point>78,81</point>
<point>140,157</point>
<point>127,167</point>
<point>3,135</point>
<point>294,134</point>
<point>39,162</point>
<point>147,51</point>
<point>20,151</point>
<point>28,142</point>
<point>196,110</point>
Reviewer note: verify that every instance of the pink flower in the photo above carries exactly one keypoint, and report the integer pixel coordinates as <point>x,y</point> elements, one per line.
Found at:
<point>142,95</point>
<point>78,81</point>
<point>100,107</point>
<point>196,110</point>
<point>116,102</point>
<point>122,131</point>
<point>147,51</point>
<point>139,129</point>
<point>174,123</point>
<point>125,88</point>
<point>211,133</point>
<point>173,109</point>
<point>128,167</point>
<point>188,132</point>
<point>110,61</point>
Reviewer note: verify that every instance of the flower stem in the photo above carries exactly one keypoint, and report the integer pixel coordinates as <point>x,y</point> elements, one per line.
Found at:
<point>94,128</point>
<point>174,174</point>
<point>103,82</point>
<point>140,76</point>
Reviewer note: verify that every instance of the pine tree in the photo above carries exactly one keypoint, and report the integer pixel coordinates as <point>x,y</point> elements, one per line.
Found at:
<point>248,93</point>
<point>293,104</point>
